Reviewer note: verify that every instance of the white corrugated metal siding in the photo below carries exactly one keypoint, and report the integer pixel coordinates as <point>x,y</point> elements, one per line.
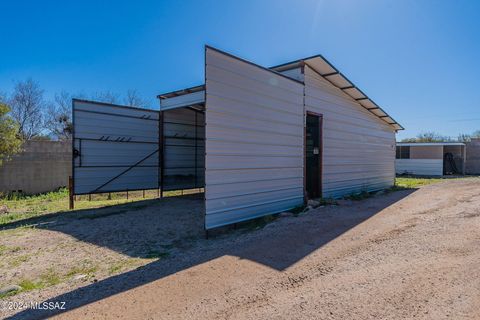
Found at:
<point>110,139</point>
<point>424,167</point>
<point>358,147</point>
<point>254,141</point>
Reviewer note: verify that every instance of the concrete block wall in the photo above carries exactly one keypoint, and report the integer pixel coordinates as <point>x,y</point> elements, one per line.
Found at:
<point>42,166</point>
<point>472,165</point>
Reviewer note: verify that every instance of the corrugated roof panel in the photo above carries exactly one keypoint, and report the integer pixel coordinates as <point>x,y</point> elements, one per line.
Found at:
<point>378,112</point>
<point>320,65</point>
<point>368,104</point>
<point>339,81</point>
<point>354,93</point>
<point>331,74</point>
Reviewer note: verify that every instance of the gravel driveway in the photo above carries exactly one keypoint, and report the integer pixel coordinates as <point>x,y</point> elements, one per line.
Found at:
<point>404,255</point>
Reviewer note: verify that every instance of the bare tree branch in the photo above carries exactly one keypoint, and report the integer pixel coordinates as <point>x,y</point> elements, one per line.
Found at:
<point>59,118</point>
<point>133,99</point>
<point>106,96</point>
<point>27,108</point>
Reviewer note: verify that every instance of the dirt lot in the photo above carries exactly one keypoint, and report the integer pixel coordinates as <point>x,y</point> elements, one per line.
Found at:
<point>404,255</point>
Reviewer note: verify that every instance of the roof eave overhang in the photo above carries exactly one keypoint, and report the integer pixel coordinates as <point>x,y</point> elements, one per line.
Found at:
<point>326,70</point>
<point>181,92</point>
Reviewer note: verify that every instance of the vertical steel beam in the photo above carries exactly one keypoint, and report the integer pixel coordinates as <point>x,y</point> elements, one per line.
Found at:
<point>70,193</point>
<point>161,151</point>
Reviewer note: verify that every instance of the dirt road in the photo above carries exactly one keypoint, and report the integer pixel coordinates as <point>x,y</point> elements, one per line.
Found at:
<point>404,255</point>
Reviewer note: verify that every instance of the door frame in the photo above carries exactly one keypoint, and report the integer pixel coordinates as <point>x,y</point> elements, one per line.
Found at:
<point>320,156</point>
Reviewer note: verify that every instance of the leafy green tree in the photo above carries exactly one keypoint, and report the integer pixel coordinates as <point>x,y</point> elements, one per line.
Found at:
<point>10,141</point>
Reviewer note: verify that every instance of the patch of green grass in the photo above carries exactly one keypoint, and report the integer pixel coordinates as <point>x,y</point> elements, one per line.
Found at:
<point>154,254</point>
<point>9,294</point>
<point>125,264</point>
<point>401,183</point>
<point>50,277</point>
<point>86,269</point>
<point>28,285</point>
<point>359,196</point>
<point>17,261</point>
<point>117,267</point>
<point>328,202</point>
<point>413,182</point>
<point>21,206</point>
<point>5,249</point>
<point>47,279</point>
<point>18,231</point>
<point>297,210</point>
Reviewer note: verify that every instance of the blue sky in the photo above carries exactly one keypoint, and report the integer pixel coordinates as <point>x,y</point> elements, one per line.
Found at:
<point>419,60</point>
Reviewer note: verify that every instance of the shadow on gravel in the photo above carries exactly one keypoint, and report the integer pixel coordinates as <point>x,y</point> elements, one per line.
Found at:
<point>277,250</point>
<point>50,218</point>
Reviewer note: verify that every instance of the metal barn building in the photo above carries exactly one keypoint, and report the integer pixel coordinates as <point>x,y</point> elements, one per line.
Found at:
<point>430,159</point>
<point>257,140</point>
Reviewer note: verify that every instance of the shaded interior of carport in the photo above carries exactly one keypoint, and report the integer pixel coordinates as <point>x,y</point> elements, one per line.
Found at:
<point>182,140</point>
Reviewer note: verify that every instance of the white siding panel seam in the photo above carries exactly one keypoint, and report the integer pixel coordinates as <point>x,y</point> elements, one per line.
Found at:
<point>226,126</point>
<point>253,193</point>
<point>249,92</point>
<point>278,106</point>
<point>371,119</point>
<point>255,143</point>
<point>257,119</point>
<point>268,155</point>
<point>259,180</point>
<point>235,76</point>
<point>250,205</point>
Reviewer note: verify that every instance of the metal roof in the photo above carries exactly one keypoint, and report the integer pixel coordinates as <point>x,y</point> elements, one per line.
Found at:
<point>324,68</point>
<point>428,144</point>
<point>181,92</point>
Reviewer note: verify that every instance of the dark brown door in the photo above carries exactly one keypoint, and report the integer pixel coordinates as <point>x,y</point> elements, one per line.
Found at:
<point>313,156</point>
